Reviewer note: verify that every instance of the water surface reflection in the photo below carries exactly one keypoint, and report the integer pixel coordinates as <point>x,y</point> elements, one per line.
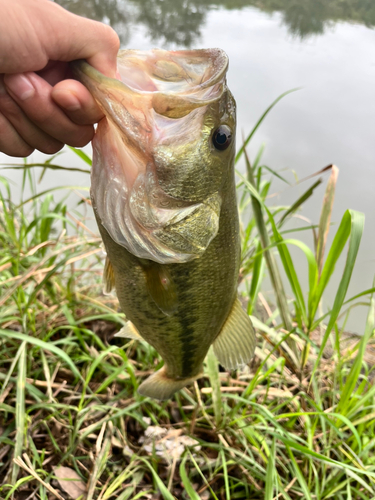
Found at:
<point>273,46</point>
<point>180,21</point>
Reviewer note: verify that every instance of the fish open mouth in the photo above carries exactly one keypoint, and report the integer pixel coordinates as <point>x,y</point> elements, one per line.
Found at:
<point>160,100</point>
<point>169,84</point>
<point>174,71</point>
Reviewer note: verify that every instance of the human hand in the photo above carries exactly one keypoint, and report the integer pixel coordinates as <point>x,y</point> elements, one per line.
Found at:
<point>40,106</point>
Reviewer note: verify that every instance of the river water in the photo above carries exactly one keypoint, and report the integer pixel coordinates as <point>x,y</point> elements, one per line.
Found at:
<point>327,48</point>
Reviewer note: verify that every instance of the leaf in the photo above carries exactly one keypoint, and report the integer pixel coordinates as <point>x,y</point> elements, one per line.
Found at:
<point>325,216</point>
<point>82,155</point>
<point>256,279</point>
<point>348,391</point>
<point>351,225</point>
<point>70,482</point>
<point>257,205</point>
<point>193,495</point>
<point>16,166</point>
<point>47,346</point>
<point>306,195</point>
<point>248,138</point>
<point>20,407</point>
<point>163,489</point>
<point>270,475</point>
<point>213,374</point>
<point>299,475</point>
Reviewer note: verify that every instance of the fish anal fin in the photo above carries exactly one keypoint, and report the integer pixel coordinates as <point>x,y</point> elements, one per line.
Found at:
<point>161,387</point>
<point>161,287</point>
<point>108,276</point>
<point>235,344</point>
<point>129,331</point>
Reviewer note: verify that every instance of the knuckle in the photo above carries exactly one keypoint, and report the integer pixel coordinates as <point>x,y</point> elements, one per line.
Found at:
<point>51,148</point>
<point>111,37</point>
<point>16,149</point>
<point>27,151</point>
<point>10,142</point>
<point>81,138</point>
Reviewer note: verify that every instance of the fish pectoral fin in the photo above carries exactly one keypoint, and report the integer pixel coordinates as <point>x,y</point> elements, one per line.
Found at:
<point>161,387</point>
<point>235,344</point>
<point>129,331</point>
<point>108,276</point>
<point>161,287</point>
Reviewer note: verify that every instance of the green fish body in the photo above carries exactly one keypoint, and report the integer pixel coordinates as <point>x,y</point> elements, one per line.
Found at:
<point>163,192</point>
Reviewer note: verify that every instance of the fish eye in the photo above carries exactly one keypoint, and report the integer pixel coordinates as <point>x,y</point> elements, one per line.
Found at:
<point>222,137</point>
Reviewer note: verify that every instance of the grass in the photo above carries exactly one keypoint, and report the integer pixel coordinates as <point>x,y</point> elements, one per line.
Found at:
<point>298,423</point>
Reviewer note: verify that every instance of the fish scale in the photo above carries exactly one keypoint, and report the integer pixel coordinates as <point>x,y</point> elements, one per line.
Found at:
<point>165,204</point>
<point>203,304</point>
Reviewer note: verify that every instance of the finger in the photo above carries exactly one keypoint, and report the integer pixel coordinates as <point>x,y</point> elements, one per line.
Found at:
<point>33,95</point>
<point>10,142</point>
<point>30,133</point>
<point>101,51</point>
<point>84,38</point>
<point>77,102</point>
<point>47,31</point>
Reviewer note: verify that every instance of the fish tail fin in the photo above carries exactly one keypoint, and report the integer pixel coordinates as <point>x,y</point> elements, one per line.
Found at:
<point>160,386</point>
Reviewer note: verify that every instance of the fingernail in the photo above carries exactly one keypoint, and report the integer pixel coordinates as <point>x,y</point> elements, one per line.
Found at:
<point>20,86</point>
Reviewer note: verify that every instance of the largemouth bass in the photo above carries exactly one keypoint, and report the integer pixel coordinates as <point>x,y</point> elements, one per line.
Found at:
<point>163,192</point>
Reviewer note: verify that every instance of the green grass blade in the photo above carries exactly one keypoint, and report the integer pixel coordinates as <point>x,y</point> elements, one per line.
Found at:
<point>349,469</point>
<point>258,123</point>
<point>289,266</point>
<point>202,476</point>
<point>193,495</point>
<point>225,474</point>
<point>82,155</point>
<point>306,195</point>
<point>273,172</point>
<point>356,222</point>
<point>47,191</point>
<point>273,270</point>
<point>47,346</point>
<point>213,374</point>
<point>20,409</point>
<point>347,392</point>
<point>256,278</point>
<point>337,247</point>
<point>163,489</point>
<point>50,166</point>
<point>325,216</point>
<point>300,476</point>
<point>270,474</point>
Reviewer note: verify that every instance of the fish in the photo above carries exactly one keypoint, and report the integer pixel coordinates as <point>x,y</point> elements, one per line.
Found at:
<point>164,197</point>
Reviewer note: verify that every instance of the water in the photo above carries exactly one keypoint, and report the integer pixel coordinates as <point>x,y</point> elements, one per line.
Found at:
<point>324,47</point>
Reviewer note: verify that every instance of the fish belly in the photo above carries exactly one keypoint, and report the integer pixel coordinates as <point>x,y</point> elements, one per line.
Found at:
<point>205,290</point>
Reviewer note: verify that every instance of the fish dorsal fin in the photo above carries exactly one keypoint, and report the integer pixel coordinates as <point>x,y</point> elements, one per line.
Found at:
<point>161,287</point>
<point>129,331</point>
<point>108,276</point>
<point>235,344</point>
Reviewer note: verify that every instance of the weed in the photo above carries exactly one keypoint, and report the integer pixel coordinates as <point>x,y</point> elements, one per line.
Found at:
<point>298,423</point>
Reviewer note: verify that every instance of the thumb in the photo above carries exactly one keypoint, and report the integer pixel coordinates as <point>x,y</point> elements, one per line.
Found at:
<point>81,38</point>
